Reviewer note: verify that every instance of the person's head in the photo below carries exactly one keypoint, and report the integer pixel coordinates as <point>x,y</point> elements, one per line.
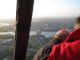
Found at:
<point>77,23</point>
<point>61,35</point>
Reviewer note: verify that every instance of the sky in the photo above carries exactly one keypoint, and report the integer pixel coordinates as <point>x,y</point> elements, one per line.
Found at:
<point>42,8</point>
<point>7,9</point>
<point>56,8</point>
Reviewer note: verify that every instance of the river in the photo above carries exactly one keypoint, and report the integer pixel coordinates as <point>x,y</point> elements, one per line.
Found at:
<point>46,34</point>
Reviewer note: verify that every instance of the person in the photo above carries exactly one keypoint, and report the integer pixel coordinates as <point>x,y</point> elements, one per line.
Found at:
<point>58,38</point>
<point>70,48</point>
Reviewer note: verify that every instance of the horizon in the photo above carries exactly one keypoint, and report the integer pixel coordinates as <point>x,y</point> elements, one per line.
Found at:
<point>38,19</point>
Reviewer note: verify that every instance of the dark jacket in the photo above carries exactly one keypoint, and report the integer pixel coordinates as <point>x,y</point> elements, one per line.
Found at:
<point>44,52</point>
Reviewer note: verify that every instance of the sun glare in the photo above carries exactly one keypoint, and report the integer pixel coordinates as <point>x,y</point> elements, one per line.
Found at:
<point>7,9</point>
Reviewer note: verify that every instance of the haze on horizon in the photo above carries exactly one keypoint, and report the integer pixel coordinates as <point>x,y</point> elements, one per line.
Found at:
<point>43,8</point>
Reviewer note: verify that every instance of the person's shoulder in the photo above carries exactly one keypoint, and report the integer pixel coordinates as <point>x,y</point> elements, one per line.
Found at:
<point>38,54</point>
<point>65,50</point>
<point>40,51</point>
<point>66,45</point>
<point>73,36</point>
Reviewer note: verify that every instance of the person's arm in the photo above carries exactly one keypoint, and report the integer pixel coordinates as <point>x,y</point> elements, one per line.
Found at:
<point>38,54</point>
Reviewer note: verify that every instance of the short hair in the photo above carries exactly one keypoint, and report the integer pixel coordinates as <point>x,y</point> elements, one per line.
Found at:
<point>78,20</point>
<point>61,35</point>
